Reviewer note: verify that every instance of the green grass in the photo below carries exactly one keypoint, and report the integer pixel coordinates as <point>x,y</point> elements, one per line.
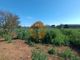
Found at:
<point>39,55</point>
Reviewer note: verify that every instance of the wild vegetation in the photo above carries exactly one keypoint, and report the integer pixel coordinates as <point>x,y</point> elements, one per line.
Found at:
<point>39,55</point>
<point>54,37</point>
<point>38,33</point>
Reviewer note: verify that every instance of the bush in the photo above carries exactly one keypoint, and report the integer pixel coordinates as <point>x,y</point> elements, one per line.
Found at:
<point>75,38</point>
<point>23,34</point>
<point>59,38</point>
<point>56,37</point>
<point>37,35</point>
<point>20,33</point>
<point>7,38</point>
<point>48,37</point>
<point>29,42</point>
<point>67,41</point>
<point>66,31</point>
<point>52,51</point>
<point>67,34</point>
<point>75,58</point>
<point>66,54</point>
<point>1,32</point>
<point>26,35</point>
<point>39,55</point>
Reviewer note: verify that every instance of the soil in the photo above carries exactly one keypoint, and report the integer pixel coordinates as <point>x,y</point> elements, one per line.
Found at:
<point>17,50</point>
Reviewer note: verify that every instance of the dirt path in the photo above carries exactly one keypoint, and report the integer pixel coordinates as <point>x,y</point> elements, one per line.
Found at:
<point>17,50</point>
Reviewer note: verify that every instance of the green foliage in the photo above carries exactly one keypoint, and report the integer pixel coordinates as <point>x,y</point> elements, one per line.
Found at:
<point>39,55</point>
<point>66,32</point>
<point>74,57</point>
<point>22,34</point>
<point>66,54</point>
<point>67,40</point>
<point>75,38</point>
<point>48,37</point>
<point>1,32</point>
<point>7,38</point>
<point>54,36</point>
<point>25,34</point>
<point>59,38</point>
<point>29,41</point>
<point>51,51</point>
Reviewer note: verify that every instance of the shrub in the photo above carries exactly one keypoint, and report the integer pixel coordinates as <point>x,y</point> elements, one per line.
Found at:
<point>48,37</point>
<point>56,37</point>
<point>66,31</point>
<point>67,34</point>
<point>20,33</point>
<point>23,34</point>
<point>66,40</point>
<point>51,51</point>
<point>37,35</point>
<point>37,31</point>
<point>59,38</point>
<point>7,37</point>
<point>26,35</point>
<point>29,42</point>
<point>39,55</point>
<point>66,54</point>
<point>75,38</point>
<point>1,32</point>
<point>74,57</point>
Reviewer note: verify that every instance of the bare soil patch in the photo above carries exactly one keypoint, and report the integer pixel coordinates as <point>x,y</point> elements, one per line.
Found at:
<point>17,50</point>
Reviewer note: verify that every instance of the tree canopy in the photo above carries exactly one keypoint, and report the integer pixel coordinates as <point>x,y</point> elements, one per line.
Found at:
<point>8,20</point>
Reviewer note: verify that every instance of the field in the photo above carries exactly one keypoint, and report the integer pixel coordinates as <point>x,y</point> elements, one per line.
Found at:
<point>39,29</point>
<point>40,44</point>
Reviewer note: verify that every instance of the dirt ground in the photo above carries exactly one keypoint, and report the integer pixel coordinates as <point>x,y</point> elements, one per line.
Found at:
<point>58,49</point>
<point>17,50</point>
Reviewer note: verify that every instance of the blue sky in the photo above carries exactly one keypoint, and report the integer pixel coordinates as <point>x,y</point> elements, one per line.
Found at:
<point>48,11</point>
